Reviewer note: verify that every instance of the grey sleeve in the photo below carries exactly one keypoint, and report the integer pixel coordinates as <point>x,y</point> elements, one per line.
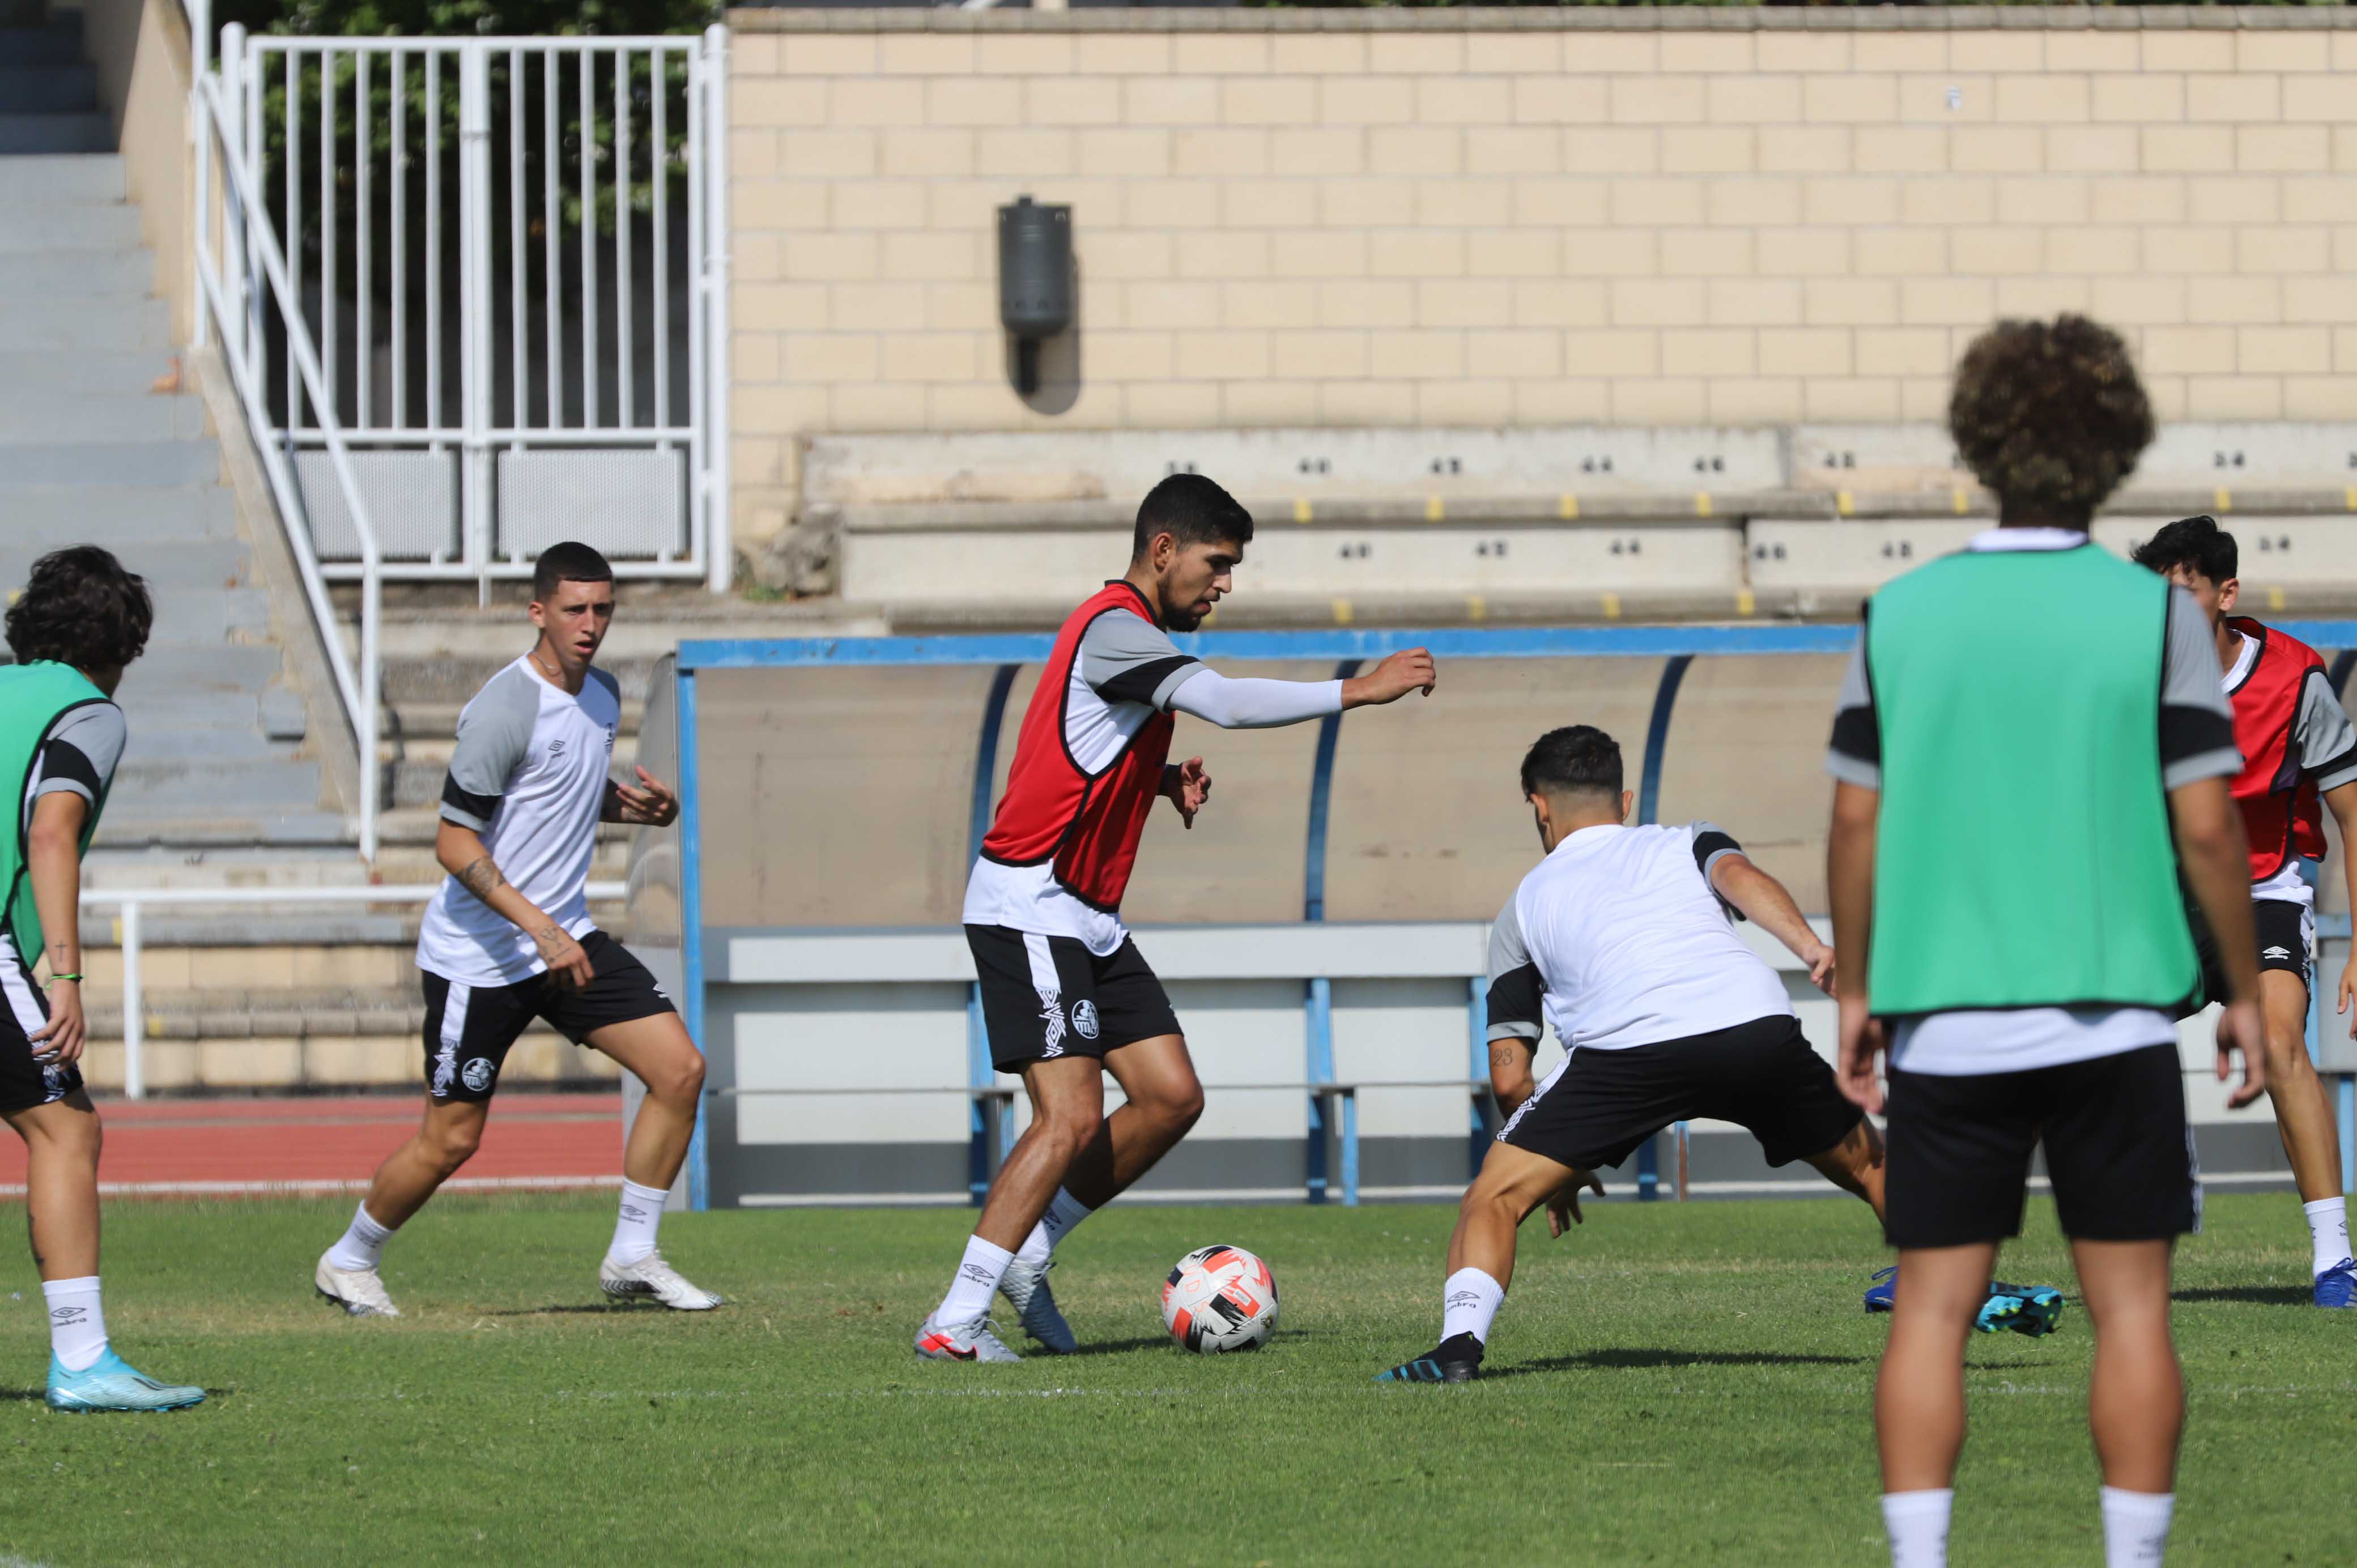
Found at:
<point>80,754</point>
<point>1856,754</point>
<point>1127,658</point>
<point>1515,989</point>
<point>2327,740</point>
<point>494,732</point>
<point>2197,723</point>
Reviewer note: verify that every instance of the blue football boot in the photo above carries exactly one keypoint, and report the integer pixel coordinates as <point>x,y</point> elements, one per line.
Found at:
<point>111,1384</point>
<point>2337,1286</point>
<point>2032,1310</point>
<point>1885,1288</point>
<point>1456,1359</point>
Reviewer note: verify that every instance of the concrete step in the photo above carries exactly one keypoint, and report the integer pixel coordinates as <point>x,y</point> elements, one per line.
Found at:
<point>168,566</point>
<point>122,517</point>
<point>59,43</point>
<point>117,324</point>
<point>112,463</point>
<point>201,620</point>
<point>48,88</point>
<point>64,272</point>
<point>125,371</point>
<point>133,824</point>
<point>31,417</point>
<point>92,179</point>
<point>230,667</point>
<point>91,132</point>
<point>247,784</point>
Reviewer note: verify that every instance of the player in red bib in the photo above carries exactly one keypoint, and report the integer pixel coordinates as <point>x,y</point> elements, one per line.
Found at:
<point>2299,755</point>
<point>1065,995</point>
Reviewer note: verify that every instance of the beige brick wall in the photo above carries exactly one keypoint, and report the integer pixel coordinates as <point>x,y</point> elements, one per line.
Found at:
<point>1518,217</point>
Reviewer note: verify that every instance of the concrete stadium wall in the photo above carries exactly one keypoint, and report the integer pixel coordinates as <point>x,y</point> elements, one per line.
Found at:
<point>1479,218</point>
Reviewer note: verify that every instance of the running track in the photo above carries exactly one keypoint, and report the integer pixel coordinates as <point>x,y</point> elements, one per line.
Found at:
<point>166,1147</point>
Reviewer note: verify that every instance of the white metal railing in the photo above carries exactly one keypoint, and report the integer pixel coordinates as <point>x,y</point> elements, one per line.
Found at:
<point>232,303</point>
<point>132,901</point>
<point>549,359</point>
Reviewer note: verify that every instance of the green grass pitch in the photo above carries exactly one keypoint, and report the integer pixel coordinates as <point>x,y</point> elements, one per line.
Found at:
<point>1677,1385</point>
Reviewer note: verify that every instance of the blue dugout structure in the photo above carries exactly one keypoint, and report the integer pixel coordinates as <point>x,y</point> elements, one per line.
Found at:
<point>670,880</point>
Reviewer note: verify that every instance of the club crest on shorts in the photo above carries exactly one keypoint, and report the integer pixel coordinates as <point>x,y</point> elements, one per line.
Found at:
<point>1084,1018</point>
<point>477,1074</point>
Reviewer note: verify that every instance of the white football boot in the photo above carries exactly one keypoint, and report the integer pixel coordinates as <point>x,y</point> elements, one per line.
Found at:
<point>357,1291</point>
<point>1026,1290</point>
<point>652,1279</point>
<point>962,1342</point>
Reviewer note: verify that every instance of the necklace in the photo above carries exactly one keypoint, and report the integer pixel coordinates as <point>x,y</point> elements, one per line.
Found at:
<point>555,677</point>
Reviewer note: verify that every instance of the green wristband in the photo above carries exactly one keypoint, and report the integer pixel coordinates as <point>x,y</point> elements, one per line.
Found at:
<point>55,978</point>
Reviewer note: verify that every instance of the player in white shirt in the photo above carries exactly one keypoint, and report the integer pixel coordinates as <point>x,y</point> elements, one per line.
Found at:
<point>508,938</point>
<point>1623,939</point>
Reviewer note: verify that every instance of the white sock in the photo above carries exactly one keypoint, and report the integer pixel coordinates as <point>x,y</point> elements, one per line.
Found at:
<point>77,1322</point>
<point>1064,1211</point>
<point>634,1226</point>
<point>2135,1526</point>
<point>1468,1303</point>
<point>362,1244</point>
<point>1917,1523</point>
<point>977,1280</point>
<point>2328,1230</point>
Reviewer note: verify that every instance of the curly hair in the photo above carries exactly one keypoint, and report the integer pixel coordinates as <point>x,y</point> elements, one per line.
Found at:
<point>80,607</point>
<point>2049,416</point>
<point>2197,543</point>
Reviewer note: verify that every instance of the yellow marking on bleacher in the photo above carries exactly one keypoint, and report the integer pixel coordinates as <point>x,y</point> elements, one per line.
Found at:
<point>1964,502</point>
<point>116,924</point>
<point>2352,498</point>
<point>1342,612</point>
<point>2274,598</point>
<point>1567,509</point>
<point>1435,509</point>
<point>1301,509</point>
<point>1476,607</point>
<point>2224,500</point>
<point>1845,503</point>
<point>1702,503</point>
<point>1611,606</point>
<point>1744,602</point>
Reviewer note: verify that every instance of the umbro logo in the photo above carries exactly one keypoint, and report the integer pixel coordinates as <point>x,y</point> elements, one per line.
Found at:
<point>557,746</point>
<point>2276,952</point>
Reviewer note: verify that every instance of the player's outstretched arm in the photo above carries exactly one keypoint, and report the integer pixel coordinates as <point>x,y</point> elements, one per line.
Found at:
<point>2343,801</point>
<point>1253,702</point>
<point>2217,864</point>
<point>1766,904</point>
<point>651,805</point>
<point>460,850</point>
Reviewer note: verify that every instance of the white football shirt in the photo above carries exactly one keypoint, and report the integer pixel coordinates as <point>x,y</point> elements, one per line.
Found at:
<point>528,774</point>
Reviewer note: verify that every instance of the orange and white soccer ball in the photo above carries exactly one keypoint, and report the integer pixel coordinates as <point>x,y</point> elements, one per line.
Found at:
<point>1220,1298</point>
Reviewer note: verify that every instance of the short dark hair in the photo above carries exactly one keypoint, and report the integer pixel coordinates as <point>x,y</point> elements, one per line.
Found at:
<point>1577,759</point>
<point>570,561</point>
<point>81,607</point>
<point>2195,543</point>
<point>2049,416</point>
<point>1191,509</point>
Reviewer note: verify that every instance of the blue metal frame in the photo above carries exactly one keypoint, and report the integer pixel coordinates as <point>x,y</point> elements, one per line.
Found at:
<point>1677,644</point>
<point>691,924</point>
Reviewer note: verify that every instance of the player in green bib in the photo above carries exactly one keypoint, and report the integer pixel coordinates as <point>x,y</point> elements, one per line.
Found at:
<point>2031,740</point>
<point>80,618</point>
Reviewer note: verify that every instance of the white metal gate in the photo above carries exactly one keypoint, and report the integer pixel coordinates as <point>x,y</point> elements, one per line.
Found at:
<point>511,256</point>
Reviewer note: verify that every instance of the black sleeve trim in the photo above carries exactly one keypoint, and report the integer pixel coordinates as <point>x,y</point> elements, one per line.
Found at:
<point>63,759</point>
<point>479,807</point>
<point>1856,734</point>
<point>1514,1000</point>
<point>2187,731</point>
<point>1139,683</point>
<point>1712,843</point>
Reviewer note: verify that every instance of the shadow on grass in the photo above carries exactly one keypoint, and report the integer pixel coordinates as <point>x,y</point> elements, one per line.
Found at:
<point>1115,1346</point>
<point>2266,1296</point>
<point>1626,1360</point>
<point>562,1308</point>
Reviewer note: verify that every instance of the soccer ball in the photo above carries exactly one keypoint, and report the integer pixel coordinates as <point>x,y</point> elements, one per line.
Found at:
<point>1220,1298</point>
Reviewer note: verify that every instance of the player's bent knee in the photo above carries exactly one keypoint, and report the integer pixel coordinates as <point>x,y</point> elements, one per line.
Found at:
<point>680,1081</point>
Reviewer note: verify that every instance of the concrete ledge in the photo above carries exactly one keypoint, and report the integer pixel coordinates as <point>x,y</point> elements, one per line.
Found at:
<point>1560,19</point>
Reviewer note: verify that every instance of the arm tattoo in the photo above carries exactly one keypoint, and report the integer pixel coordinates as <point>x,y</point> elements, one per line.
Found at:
<point>481,878</point>
<point>1505,1053</point>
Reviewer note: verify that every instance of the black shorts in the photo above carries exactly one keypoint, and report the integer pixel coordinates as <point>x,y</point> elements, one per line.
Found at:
<point>1594,1109</point>
<point>1044,997</point>
<point>468,1028</point>
<point>2286,930</point>
<point>2117,1150</point>
<point>23,1082</point>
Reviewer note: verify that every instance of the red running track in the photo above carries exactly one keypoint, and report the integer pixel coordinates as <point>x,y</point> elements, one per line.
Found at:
<point>167,1147</point>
